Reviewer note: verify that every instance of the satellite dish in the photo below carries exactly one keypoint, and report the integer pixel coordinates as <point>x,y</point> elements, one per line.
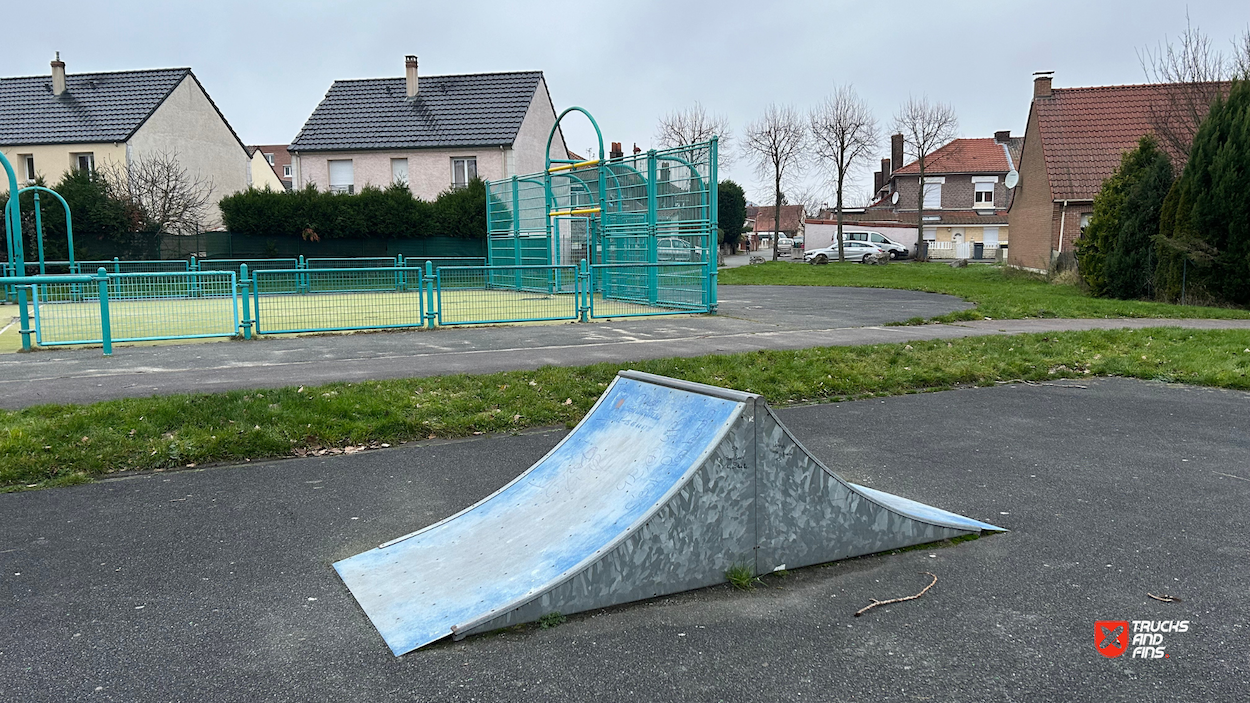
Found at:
<point>1013,179</point>
<point>894,198</point>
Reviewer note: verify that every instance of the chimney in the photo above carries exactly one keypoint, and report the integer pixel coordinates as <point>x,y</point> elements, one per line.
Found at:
<point>885,170</point>
<point>896,151</point>
<point>58,75</point>
<point>410,75</point>
<point>1041,84</point>
<point>878,179</point>
<point>1002,136</point>
<point>616,152</point>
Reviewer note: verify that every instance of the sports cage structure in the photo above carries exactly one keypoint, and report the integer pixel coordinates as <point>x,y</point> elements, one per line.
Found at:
<point>597,238</point>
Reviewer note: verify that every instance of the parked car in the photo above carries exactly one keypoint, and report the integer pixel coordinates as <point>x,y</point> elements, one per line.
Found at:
<point>677,249</point>
<point>785,245</point>
<point>897,251</point>
<point>854,251</point>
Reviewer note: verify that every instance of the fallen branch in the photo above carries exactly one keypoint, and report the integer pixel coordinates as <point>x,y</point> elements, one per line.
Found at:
<point>1165,598</point>
<point>876,602</point>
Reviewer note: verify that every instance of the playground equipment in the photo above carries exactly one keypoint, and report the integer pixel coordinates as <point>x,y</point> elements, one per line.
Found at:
<point>662,487</point>
<point>613,236</point>
<point>643,225</point>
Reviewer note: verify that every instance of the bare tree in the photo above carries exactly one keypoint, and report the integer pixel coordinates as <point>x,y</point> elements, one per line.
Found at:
<point>1241,56</point>
<point>174,200</point>
<point>693,125</point>
<point>777,143</point>
<point>925,127</point>
<point>1198,69</point>
<point>845,133</point>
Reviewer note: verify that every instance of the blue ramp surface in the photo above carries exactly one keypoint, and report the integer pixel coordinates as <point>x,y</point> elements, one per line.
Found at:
<point>618,465</point>
<point>663,486</point>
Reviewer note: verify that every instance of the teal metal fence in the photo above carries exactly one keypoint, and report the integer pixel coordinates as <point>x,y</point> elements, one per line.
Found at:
<point>478,295</point>
<point>136,307</point>
<point>649,209</point>
<point>338,299</point>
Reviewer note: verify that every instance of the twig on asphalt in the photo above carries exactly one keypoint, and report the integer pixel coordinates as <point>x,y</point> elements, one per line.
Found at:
<point>876,602</point>
<point>1165,598</point>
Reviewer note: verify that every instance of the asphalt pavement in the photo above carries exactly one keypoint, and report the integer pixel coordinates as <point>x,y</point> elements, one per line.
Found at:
<point>216,584</point>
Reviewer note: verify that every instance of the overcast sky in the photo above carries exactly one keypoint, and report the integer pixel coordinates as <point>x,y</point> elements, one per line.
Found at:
<point>268,64</point>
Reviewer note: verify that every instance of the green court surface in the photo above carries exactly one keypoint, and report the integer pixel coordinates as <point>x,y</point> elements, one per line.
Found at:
<point>163,318</point>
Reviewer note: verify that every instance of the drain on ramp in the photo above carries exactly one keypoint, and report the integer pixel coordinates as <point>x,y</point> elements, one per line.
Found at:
<point>662,487</point>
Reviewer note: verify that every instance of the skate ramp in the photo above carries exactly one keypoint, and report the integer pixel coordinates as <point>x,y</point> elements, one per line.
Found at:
<point>661,488</point>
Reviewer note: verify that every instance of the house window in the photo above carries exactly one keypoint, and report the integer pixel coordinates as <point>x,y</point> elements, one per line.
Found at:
<point>933,193</point>
<point>30,168</point>
<point>269,158</point>
<point>989,237</point>
<point>342,176</point>
<point>399,171</point>
<point>463,171</point>
<point>286,171</point>
<point>930,234</point>
<point>84,162</point>
<point>984,195</point>
<point>1084,222</point>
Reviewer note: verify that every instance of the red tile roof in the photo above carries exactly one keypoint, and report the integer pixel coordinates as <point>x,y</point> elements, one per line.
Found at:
<point>791,218</point>
<point>1085,130</point>
<point>963,156</point>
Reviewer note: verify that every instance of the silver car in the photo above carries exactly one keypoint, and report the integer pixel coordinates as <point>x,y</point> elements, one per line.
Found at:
<point>854,251</point>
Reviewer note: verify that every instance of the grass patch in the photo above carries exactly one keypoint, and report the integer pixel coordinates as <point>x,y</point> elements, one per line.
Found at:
<point>551,620</point>
<point>64,444</point>
<point>1001,294</point>
<point>741,577</point>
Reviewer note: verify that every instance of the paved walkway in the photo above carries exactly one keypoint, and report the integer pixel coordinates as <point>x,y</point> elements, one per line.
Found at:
<point>217,585</point>
<point>753,318</point>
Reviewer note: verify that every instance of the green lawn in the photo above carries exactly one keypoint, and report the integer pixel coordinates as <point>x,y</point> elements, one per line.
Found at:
<point>63,444</point>
<point>999,293</point>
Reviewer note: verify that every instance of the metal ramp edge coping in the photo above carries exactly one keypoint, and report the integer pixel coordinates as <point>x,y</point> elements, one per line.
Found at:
<point>364,574</point>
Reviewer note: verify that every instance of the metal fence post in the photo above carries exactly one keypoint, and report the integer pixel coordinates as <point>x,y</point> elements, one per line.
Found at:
<point>106,327</point>
<point>583,297</point>
<point>256,297</point>
<point>430,313</point>
<point>302,283</point>
<point>244,281</point>
<point>25,329</point>
<point>401,277</point>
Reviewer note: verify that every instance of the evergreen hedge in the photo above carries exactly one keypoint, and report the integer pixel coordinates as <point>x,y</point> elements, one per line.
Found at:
<point>373,213</point>
<point>1205,218</point>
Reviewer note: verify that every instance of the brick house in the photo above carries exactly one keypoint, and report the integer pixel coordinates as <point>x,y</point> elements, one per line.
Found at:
<point>966,196</point>
<point>1074,140</point>
<point>432,133</point>
<point>791,220</point>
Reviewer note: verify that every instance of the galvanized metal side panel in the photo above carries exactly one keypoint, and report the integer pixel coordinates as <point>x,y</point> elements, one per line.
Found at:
<point>808,515</point>
<point>621,464</point>
<point>706,527</point>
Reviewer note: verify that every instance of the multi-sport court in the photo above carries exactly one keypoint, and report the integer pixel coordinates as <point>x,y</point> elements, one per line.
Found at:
<point>600,238</point>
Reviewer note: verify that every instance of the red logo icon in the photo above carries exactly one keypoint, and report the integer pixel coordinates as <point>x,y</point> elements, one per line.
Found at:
<point>1111,637</point>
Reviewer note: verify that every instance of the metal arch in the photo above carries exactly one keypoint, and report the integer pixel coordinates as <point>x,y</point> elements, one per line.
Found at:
<point>552,134</point>
<point>13,219</point>
<point>69,222</point>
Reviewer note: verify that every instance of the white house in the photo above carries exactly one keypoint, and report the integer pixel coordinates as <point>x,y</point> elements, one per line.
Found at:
<point>431,133</point>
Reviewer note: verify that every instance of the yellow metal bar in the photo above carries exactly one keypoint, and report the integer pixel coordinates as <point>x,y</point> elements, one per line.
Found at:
<point>579,164</point>
<point>574,211</point>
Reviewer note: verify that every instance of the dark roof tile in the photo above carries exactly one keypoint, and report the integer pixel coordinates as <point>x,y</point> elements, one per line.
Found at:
<point>484,109</point>
<point>95,107</point>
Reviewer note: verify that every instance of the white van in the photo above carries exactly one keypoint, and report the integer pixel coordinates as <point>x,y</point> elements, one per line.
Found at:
<point>897,251</point>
